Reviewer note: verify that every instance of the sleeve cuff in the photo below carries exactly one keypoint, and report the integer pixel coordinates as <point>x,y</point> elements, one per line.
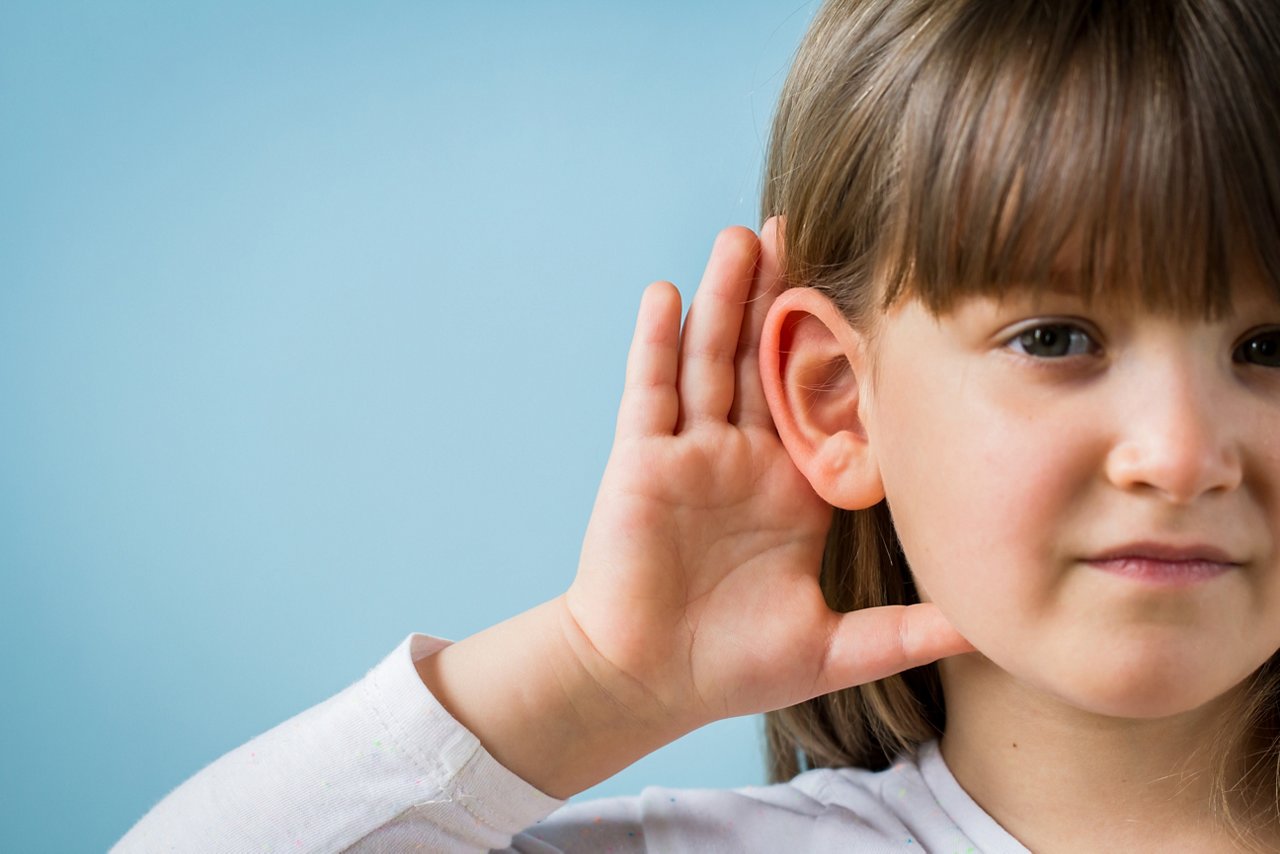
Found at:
<point>437,742</point>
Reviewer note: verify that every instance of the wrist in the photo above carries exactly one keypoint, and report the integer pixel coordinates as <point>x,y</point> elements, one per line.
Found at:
<point>614,695</point>
<point>542,706</point>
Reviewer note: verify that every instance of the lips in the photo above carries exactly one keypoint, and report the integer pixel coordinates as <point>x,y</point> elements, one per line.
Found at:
<point>1163,563</point>
<point>1164,552</point>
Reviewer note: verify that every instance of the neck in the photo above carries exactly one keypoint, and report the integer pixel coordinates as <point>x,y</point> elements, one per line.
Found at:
<point>1062,779</point>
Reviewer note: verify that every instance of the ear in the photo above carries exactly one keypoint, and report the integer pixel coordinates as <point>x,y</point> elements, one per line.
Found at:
<point>815,373</point>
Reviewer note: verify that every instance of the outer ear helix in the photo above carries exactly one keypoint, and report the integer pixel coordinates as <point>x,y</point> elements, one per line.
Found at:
<point>809,358</point>
<point>775,352</point>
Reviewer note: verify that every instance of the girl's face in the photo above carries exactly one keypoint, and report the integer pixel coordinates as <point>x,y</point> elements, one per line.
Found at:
<point>1022,445</point>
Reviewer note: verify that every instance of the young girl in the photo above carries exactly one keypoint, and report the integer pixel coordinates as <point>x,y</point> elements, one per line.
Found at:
<point>997,386</point>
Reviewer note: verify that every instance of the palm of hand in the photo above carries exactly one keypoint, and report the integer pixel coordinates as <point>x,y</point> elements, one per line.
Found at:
<point>708,591</point>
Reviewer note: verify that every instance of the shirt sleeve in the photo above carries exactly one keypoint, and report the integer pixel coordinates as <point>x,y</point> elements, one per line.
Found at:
<point>374,767</point>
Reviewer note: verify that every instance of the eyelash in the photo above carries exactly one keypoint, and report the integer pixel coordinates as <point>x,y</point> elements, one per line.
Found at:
<point>1266,344</point>
<point>1075,333</point>
<point>1268,341</point>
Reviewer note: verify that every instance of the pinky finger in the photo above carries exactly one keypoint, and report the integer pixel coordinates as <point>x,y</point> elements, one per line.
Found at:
<point>650,403</point>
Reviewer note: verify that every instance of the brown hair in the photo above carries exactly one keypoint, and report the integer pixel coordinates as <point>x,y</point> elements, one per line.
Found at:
<point>943,148</point>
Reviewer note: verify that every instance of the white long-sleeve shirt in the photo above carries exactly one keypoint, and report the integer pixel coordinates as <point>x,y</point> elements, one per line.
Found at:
<point>382,767</point>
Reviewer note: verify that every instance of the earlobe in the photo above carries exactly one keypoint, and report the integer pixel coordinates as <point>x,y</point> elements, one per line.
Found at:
<point>813,367</point>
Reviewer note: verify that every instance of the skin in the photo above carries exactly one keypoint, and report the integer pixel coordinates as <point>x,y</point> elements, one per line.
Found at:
<point>1006,469</point>
<point>1062,458</point>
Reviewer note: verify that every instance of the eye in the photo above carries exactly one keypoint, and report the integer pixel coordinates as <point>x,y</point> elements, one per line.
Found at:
<point>1262,349</point>
<point>1053,341</point>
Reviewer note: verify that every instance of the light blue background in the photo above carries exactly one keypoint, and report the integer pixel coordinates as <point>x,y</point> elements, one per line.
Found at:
<point>313,320</point>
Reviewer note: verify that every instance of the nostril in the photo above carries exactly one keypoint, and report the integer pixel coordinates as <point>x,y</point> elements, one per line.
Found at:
<point>1179,471</point>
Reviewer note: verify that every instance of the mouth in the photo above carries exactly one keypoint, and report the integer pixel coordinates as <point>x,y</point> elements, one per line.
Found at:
<point>1163,564</point>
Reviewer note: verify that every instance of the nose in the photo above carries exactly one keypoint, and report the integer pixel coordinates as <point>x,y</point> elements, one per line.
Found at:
<point>1178,438</point>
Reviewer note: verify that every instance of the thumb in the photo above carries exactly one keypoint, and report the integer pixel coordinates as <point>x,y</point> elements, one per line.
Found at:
<point>873,643</point>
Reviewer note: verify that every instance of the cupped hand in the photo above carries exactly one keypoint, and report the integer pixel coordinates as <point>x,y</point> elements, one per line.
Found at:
<point>697,592</point>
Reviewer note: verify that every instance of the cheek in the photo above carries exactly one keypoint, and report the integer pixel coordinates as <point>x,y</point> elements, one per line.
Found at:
<point>980,489</point>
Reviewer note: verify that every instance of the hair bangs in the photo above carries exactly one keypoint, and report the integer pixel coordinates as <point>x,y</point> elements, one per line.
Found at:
<point>1115,155</point>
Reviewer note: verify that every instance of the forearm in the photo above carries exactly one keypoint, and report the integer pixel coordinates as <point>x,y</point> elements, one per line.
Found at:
<point>378,755</point>
<point>522,688</point>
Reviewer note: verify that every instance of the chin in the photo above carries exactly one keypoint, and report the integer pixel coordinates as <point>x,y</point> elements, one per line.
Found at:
<point>1161,702</point>
<point>1144,684</point>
